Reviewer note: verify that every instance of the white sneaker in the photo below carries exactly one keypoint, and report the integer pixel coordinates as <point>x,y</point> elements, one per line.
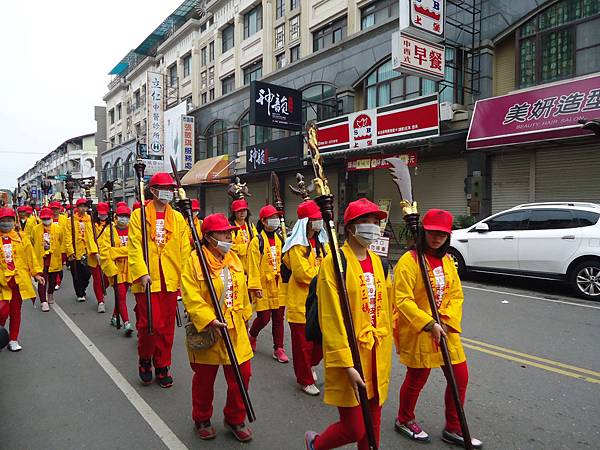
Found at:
<point>57,287</point>
<point>101,308</point>
<point>45,307</point>
<point>311,389</point>
<point>81,299</point>
<point>314,374</point>
<point>51,298</point>
<point>14,346</point>
<point>128,329</point>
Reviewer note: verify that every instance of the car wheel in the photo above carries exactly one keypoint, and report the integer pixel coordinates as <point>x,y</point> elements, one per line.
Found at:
<point>585,279</point>
<point>459,261</point>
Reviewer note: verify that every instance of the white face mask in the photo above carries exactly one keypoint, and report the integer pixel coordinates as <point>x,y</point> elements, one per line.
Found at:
<point>6,227</point>
<point>103,217</point>
<point>222,247</point>
<point>273,224</point>
<point>123,220</point>
<point>317,225</point>
<point>165,196</point>
<point>47,222</point>
<point>366,233</point>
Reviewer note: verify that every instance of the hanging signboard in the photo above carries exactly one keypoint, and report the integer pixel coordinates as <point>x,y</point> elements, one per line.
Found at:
<point>423,18</point>
<point>275,106</point>
<point>418,57</point>
<point>384,204</point>
<point>154,133</point>
<point>379,162</point>
<point>399,122</point>
<point>286,153</point>
<point>187,125</point>
<point>381,246</point>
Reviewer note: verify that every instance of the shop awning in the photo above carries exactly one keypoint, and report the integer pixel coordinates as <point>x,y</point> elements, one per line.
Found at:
<point>211,170</point>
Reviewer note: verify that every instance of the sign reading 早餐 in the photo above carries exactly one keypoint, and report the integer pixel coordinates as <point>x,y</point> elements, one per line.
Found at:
<point>417,57</point>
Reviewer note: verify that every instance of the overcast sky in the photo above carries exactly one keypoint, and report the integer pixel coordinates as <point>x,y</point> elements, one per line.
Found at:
<point>56,57</point>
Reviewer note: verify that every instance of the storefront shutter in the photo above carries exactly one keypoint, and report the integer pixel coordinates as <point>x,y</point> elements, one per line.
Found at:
<point>510,180</point>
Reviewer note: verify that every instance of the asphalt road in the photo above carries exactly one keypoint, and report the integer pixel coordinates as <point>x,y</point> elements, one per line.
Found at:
<point>534,381</point>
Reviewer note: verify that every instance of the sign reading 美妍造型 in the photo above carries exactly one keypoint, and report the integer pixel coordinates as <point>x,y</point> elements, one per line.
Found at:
<point>542,113</point>
<point>275,106</point>
<point>286,153</point>
<point>418,57</point>
<point>423,18</point>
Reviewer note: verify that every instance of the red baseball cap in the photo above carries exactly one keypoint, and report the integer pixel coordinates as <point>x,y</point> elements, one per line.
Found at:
<point>55,205</point>
<point>239,205</point>
<point>136,205</point>
<point>123,210</point>
<point>68,206</point>
<point>21,209</point>
<point>102,208</point>
<point>362,207</point>
<point>46,213</point>
<point>195,204</point>
<point>81,202</point>
<point>122,204</point>
<point>7,212</point>
<point>309,209</point>
<point>438,220</point>
<point>267,211</point>
<point>216,222</point>
<point>28,209</point>
<point>162,179</point>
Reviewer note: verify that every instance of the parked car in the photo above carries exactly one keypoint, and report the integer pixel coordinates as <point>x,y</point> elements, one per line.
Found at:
<point>559,241</point>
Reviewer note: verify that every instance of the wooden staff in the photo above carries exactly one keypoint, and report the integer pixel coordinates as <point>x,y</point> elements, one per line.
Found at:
<point>325,201</point>
<point>279,206</point>
<point>70,186</point>
<point>108,186</point>
<point>401,177</point>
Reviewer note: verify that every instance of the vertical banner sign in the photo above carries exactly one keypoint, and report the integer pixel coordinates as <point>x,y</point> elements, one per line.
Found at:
<point>187,123</point>
<point>423,18</point>
<point>418,57</point>
<point>155,138</point>
<point>363,128</point>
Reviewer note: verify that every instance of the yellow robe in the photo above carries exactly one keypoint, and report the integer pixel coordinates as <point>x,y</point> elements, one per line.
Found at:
<point>171,255</point>
<point>263,273</point>
<point>113,259</point>
<point>84,239</point>
<point>336,351</point>
<point>196,299</point>
<point>56,245</point>
<point>30,224</point>
<point>415,346</point>
<point>240,244</point>
<point>26,266</point>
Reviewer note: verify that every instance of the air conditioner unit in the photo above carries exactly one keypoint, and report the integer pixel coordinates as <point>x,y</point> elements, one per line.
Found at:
<point>191,107</point>
<point>446,112</point>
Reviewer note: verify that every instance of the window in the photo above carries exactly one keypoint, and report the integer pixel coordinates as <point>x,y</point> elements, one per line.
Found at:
<point>295,53</point>
<point>211,76</point>
<point>117,169</point>
<point>211,94</point>
<point>293,4</point>
<point>228,84</point>
<point>384,86</point>
<point>227,37</point>
<point>203,56</point>
<point>550,219</point>
<point>280,60</point>
<point>329,35</point>
<point>106,172</point>
<point>203,80</point>
<point>253,21</point>
<point>187,65</point>
<point>252,135</point>
<point>586,218</point>
<point>216,139</point>
<point>507,222</point>
<point>118,111</point>
<point>111,116</point>
<point>280,36</point>
<point>294,28</point>
<point>119,138</point>
<point>560,42</point>
<point>112,142</point>
<point>319,102</point>
<point>377,12</point>
<point>173,75</point>
<point>129,169</point>
<point>211,51</point>
<point>204,96</point>
<point>279,8</point>
<point>253,72</point>
<point>136,100</point>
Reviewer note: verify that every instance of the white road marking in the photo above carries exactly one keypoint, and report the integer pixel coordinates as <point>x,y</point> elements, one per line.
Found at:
<point>161,429</point>
<point>531,297</point>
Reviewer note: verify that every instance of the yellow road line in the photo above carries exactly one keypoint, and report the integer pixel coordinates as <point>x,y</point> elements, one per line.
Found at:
<point>532,363</point>
<point>535,358</point>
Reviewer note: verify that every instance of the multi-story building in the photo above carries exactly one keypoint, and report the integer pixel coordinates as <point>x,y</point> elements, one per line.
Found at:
<point>76,155</point>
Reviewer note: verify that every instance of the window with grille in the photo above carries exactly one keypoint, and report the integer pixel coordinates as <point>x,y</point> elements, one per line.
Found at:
<point>280,36</point>
<point>203,80</point>
<point>280,60</point>
<point>211,76</point>
<point>253,21</point>
<point>294,28</point>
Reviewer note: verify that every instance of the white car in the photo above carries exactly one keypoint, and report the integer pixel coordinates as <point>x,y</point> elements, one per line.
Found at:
<point>559,241</point>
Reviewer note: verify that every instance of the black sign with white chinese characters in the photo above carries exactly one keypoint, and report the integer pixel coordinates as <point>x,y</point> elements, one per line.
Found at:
<point>275,106</point>
<point>286,153</point>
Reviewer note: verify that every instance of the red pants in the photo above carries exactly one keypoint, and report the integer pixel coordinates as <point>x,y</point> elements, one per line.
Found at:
<point>203,383</point>
<point>50,278</point>
<point>413,384</point>
<point>97,277</point>
<point>262,320</point>
<point>159,345</point>
<point>305,354</point>
<point>350,428</point>
<point>12,309</point>
<point>122,292</point>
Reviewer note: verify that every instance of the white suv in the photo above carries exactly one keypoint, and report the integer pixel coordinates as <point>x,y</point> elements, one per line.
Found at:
<point>541,240</point>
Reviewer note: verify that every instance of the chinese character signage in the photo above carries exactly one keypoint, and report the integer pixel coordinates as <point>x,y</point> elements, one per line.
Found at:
<point>275,106</point>
<point>423,18</point>
<point>399,122</point>
<point>379,162</point>
<point>381,246</point>
<point>187,125</point>
<point>173,136</point>
<point>539,114</point>
<point>286,153</point>
<point>417,57</point>
<point>154,136</point>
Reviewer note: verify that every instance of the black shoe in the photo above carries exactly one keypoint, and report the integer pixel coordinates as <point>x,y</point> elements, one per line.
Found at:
<point>163,377</point>
<point>145,371</point>
<point>457,439</point>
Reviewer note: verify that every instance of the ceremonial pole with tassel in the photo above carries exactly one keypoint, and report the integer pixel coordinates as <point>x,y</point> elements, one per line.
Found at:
<point>325,201</point>
<point>401,176</point>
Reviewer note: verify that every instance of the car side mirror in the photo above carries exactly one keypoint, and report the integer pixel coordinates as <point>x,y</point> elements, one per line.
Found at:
<point>482,228</point>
